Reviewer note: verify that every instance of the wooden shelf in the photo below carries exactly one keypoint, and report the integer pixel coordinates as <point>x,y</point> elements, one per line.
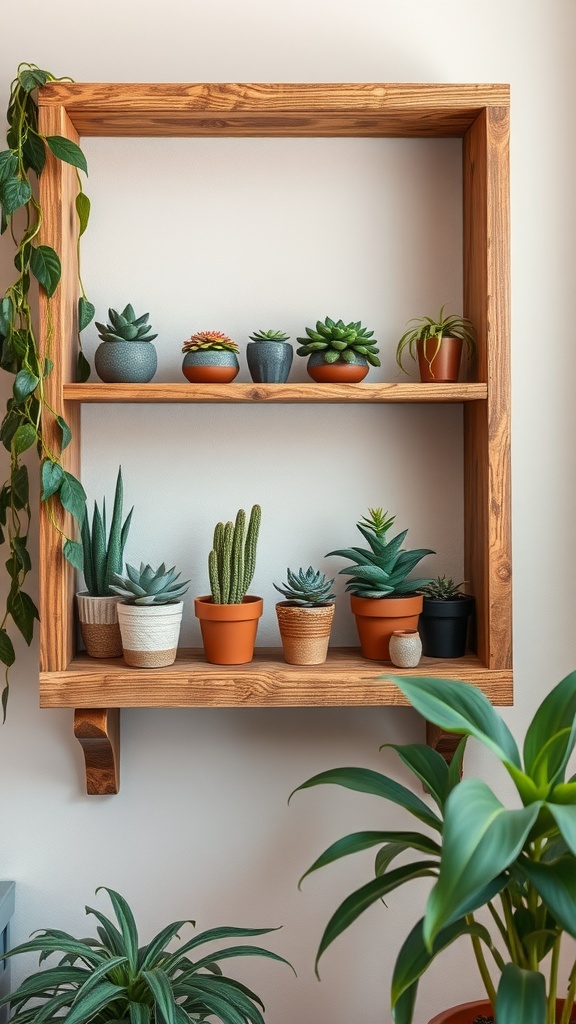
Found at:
<point>307,392</point>
<point>346,679</point>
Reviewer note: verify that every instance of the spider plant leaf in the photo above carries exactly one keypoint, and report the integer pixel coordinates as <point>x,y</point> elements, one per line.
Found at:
<point>127,925</point>
<point>149,954</point>
<point>86,1006</point>
<point>161,989</point>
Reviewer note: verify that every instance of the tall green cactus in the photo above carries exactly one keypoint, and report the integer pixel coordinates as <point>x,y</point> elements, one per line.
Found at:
<point>103,556</point>
<point>232,560</point>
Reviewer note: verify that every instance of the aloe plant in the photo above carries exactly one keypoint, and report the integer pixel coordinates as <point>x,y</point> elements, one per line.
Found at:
<point>114,978</point>
<point>104,555</point>
<point>519,862</point>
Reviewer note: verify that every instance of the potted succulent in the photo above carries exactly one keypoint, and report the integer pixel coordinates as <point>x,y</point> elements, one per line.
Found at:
<point>337,351</point>
<point>437,344</point>
<point>305,617</point>
<point>229,615</point>
<point>149,614</point>
<point>103,557</point>
<point>519,864</point>
<point>210,357</point>
<point>443,622</point>
<point>112,977</point>
<point>383,597</point>
<point>269,356</point>
<point>125,354</point>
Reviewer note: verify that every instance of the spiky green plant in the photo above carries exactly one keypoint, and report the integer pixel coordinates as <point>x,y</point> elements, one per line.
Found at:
<point>307,588</point>
<point>232,560</point>
<point>113,978</point>
<point>434,329</point>
<point>149,586</point>
<point>125,326</point>
<point>442,589</point>
<point>104,554</point>
<point>382,569</point>
<point>209,341</point>
<point>269,336</point>
<point>337,341</point>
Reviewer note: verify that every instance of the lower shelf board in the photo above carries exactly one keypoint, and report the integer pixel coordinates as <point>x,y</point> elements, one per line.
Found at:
<point>346,679</point>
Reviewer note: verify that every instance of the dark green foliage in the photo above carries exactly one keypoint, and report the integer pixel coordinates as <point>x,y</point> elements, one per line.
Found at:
<point>307,588</point>
<point>114,978</point>
<point>442,589</point>
<point>232,561</point>
<point>339,342</point>
<point>269,336</point>
<point>103,555</point>
<point>383,568</point>
<point>126,326</point>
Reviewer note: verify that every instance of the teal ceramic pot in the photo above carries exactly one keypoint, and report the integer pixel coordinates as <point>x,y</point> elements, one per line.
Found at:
<point>215,366</point>
<point>269,362</point>
<point>338,372</point>
<point>126,362</point>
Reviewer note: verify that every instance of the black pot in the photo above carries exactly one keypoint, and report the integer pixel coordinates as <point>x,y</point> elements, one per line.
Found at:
<point>443,626</point>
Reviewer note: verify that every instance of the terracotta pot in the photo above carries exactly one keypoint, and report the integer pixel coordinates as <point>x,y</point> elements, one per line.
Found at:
<point>99,625</point>
<point>442,367</point>
<point>212,367</point>
<point>466,1013</point>
<point>377,618</point>
<point>336,373</point>
<point>305,632</point>
<point>228,630</point>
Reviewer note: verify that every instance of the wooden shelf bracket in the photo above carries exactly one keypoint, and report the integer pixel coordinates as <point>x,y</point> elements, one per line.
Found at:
<point>98,732</point>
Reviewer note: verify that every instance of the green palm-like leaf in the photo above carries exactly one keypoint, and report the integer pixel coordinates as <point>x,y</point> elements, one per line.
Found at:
<point>161,989</point>
<point>88,1005</point>
<point>359,841</point>
<point>148,955</point>
<point>556,885</point>
<point>551,736</point>
<point>427,765</point>
<point>521,996</point>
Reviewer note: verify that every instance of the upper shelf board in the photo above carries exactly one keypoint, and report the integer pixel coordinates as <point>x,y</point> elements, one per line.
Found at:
<point>273,393</point>
<point>231,109</point>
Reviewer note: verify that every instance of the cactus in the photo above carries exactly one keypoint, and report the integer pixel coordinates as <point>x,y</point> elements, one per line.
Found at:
<point>232,560</point>
<point>383,569</point>
<point>442,589</point>
<point>209,341</point>
<point>125,326</point>
<point>149,586</point>
<point>104,556</point>
<point>307,588</point>
<point>269,336</point>
<point>339,342</point>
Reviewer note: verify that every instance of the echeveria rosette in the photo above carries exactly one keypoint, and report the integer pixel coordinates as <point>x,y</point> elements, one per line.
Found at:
<point>519,862</point>
<point>209,341</point>
<point>126,326</point>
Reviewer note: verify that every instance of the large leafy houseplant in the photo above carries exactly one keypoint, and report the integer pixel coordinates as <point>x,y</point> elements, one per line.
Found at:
<point>113,978</point>
<point>518,864</point>
<point>21,430</point>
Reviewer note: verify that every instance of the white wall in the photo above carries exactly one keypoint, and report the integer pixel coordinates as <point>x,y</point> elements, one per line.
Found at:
<point>242,234</point>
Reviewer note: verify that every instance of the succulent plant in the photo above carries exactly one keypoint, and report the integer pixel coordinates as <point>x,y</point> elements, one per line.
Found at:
<point>115,978</point>
<point>149,586</point>
<point>125,326</point>
<point>269,336</point>
<point>104,555</point>
<point>382,569</point>
<point>442,589</point>
<point>339,341</point>
<point>209,341</point>
<point>427,327</point>
<point>232,560</point>
<point>307,588</point>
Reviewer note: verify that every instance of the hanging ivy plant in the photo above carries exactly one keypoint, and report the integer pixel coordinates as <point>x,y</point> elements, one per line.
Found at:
<point>21,164</point>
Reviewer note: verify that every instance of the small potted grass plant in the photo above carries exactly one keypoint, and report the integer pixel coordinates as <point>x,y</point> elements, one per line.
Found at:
<point>116,977</point>
<point>229,614</point>
<point>149,614</point>
<point>210,357</point>
<point>269,356</point>
<point>338,352</point>
<point>103,556</point>
<point>437,342</point>
<point>126,354</point>
<point>517,863</point>
<point>305,617</point>
<point>383,596</point>
<point>443,622</point>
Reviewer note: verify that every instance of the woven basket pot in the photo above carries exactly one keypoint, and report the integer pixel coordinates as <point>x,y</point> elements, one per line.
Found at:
<point>150,633</point>
<point>99,625</point>
<point>305,632</point>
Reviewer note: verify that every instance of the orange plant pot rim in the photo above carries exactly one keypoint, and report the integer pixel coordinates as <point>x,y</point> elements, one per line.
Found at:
<point>382,607</point>
<point>251,608</point>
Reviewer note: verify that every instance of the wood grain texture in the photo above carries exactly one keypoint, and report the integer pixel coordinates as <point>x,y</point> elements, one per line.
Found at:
<point>345,679</point>
<point>487,425</point>
<point>278,109</point>
<point>271,393</point>
<point>444,742</point>
<point>98,732</point>
<point>58,329</point>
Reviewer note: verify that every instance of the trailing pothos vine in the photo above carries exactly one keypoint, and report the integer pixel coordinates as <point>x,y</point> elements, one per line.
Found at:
<point>21,430</point>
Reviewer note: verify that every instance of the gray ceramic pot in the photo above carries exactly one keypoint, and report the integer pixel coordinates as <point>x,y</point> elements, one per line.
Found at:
<point>126,362</point>
<point>269,362</point>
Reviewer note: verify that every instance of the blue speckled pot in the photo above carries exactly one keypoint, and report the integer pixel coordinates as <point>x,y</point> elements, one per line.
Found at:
<point>269,362</point>
<point>215,366</point>
<point>126,362</point>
